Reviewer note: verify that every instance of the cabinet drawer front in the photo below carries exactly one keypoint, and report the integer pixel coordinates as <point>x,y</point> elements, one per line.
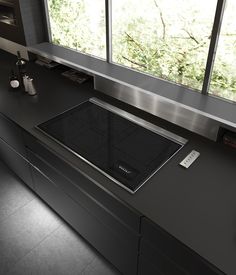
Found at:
<point>145,267</point>
<point>103,239</point>
<point>12,134</point>
<point>160,261</point>
<point>123,232</point>
<point>16,163</point>
<point>176,251</point>
<point>123,212</point>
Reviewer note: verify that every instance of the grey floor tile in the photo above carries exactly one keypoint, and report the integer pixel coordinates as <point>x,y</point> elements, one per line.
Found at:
<point>35,241</point>
<point>100,267</point>
<point>63,253</point>
<point>13,193</point>
<point>24,230</point>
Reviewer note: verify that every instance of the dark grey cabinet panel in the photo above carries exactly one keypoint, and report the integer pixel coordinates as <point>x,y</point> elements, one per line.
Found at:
<point>127,236</point>
<point>158,242</point>
<point>12,134</point>
<point>29,27</point>
<point>13,31</point>
<point>34,21</point>
<point>123,212</point>
<point>110,226</point>
<point>157,260</point>
<point>93,230</point>
<point>12,149</point>
<point>16,163</point>
<point>145,267</point>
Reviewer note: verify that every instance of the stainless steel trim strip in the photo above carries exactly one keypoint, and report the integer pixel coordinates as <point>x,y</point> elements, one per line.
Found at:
<point>189,118</point>
<point>154,128</point>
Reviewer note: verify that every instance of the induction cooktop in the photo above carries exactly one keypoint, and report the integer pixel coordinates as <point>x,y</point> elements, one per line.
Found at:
<point>123,147</point>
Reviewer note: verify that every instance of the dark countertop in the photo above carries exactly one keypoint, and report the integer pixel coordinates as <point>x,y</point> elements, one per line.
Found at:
<point>197,206</point>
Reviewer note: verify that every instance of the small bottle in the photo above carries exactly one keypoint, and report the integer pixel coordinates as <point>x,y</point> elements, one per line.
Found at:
<point>13,81</point>
<point>21,69</point>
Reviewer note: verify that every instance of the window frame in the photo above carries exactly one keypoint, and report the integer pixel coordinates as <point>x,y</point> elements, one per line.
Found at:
<point>216,29</point>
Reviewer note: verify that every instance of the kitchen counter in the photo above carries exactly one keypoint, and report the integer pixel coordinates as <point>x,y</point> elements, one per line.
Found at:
<point>197,206</point>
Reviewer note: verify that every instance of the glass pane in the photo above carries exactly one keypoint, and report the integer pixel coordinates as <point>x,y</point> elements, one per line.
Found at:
<point>79,25</point>
<point>166,38</point>
<point>223,82</point>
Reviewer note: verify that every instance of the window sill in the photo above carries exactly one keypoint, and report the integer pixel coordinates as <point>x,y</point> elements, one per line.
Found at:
<point>187,106</point>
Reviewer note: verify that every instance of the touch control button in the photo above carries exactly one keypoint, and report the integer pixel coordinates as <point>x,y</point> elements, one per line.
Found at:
<point>191,157</point>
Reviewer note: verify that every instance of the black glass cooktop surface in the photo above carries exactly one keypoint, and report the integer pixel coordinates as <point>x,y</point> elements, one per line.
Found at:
<point>125,148</point>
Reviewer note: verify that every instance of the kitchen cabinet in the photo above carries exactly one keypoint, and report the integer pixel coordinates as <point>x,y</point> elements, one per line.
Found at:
<point>12,134</point>
<point>168,255</point>
<point>154,260</point>
<point>88,215</point>
<point>146,267</point>
<point>21,21</point>
<point>120,210</point>
<point>108,224</point>
<point>11,26</point>
<point>157,247</point>
<point>12,150</point>
<point>16,163</point>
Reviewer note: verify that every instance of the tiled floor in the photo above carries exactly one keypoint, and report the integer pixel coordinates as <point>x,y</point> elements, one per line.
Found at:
<point>35,241</point>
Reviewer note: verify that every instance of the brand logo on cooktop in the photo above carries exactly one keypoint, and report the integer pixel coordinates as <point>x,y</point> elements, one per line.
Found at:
<point>124,169</point>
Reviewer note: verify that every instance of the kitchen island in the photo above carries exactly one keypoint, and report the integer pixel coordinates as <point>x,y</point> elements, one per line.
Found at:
<point>184,217</point>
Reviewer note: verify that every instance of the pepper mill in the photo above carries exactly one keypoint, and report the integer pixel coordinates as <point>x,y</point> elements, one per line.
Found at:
<point>31,87</point>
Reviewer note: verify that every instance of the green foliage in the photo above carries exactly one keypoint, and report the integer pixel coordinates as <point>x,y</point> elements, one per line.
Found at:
<point>73,27</point>
<point>149,47</point>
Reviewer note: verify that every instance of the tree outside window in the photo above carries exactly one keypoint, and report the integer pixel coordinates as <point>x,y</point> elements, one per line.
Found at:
<point>164,38</point>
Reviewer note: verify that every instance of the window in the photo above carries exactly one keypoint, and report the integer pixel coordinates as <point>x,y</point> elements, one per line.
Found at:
<point>165,38</point>
<point>79,25</point>
<point>169,39</point>
<point>223,81</point>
